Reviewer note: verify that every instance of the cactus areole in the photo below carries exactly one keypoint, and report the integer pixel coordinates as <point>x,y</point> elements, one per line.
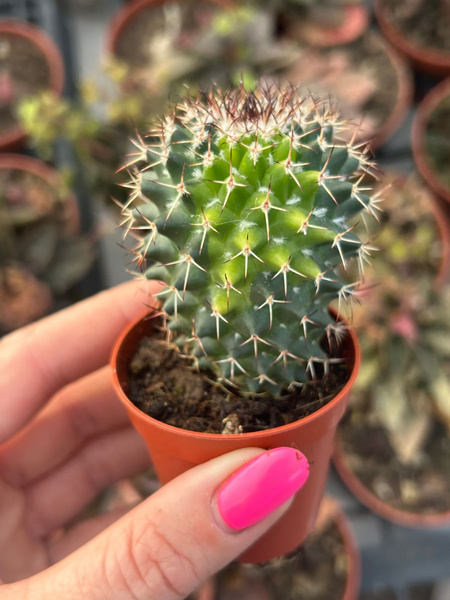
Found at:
<point>241,203</point>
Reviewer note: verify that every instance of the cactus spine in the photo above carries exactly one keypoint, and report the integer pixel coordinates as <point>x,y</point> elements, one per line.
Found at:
<point>241,203</point>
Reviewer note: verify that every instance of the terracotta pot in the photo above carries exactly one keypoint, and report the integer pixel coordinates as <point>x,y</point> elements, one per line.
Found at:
<point>175,450</point>
<point>329,511</point>
<point>426,108</point>
<point>131,11</point>
<point>425,59</point>
<point>354,561</point>
<point>442,225</point>
<point>14,138</point>
<point>355,21</point>
<point>373,503</point>
<point>50,176</point>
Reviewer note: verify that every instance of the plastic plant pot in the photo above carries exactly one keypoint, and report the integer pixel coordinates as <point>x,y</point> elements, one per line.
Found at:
<point>175,450</point>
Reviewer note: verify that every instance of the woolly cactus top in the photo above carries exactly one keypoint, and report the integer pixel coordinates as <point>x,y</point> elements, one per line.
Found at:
<point>240,202</point>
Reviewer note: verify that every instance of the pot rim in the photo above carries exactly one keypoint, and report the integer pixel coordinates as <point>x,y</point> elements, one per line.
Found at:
<point>404,96</point>
<point>343,524</point>
<point>37,36</point>
<point>347,31</point>
<point>40,169</point>
<point>254,435</point>
<point>423,54</point>
<point>418,134</point>
<point>373,503</point>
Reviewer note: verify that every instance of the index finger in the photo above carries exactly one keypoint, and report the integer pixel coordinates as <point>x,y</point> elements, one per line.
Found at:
<point>43,357</point>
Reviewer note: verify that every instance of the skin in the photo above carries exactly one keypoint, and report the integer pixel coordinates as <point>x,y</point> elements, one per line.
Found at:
<point>64,437</point>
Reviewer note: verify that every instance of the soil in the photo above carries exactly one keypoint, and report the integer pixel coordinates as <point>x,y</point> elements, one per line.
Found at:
<point>316,571</point>
<point>421,488</point>
<point>359,75</point>
<point>163,387</point>
<point>424,22</point>
<point>438,141</point>
<point>24,70</point>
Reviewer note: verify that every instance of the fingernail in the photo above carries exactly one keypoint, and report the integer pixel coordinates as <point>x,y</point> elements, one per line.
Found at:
<point>261,486</point>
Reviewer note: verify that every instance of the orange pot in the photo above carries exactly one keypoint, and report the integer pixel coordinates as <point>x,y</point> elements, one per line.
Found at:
<point>373,503</point>
<point>425,59</point>
<point>14,138</point>
<point>419,129</point>
<point>175,450</point>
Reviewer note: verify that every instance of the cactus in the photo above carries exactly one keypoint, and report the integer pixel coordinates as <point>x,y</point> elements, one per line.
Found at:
<point>241,202</point>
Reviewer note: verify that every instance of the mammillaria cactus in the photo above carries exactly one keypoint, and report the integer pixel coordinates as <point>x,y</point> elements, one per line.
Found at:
<point>241,202</point>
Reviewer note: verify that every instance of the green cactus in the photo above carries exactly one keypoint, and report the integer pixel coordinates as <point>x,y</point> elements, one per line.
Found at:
<point>243,200</point>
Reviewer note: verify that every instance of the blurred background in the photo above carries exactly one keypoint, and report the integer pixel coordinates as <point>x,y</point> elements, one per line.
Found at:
<point>78,78</point>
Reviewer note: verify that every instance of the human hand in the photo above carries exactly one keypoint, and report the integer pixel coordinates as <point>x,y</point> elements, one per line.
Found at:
<point>56,456</point>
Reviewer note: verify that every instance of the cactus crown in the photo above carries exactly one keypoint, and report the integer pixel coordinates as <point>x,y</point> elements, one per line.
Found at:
<point>241,202</point>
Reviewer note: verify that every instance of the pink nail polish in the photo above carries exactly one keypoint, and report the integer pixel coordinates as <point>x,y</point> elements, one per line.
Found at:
<point>261,486</point>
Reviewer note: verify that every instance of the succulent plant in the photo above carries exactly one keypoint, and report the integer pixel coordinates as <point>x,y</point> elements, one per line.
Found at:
<point>42,255</point>
<point>403,323</point>
<point>406,340</point>
<point>241,203</point>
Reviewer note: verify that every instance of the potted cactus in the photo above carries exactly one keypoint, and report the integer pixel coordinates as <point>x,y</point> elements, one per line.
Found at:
<point>242,200</point>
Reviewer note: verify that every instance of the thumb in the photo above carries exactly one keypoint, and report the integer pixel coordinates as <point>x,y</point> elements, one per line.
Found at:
<point>183,534</point>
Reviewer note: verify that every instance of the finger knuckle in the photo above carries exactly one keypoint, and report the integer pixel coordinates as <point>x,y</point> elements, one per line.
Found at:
<point>152,562</point>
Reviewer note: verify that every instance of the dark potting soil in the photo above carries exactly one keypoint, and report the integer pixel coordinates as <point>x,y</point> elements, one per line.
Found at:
<point>423,487</point>
<point>426,23</point>
<point>318,570</point>
<point>24,71</point>
<point>438,141</point>
<point>162,386</point>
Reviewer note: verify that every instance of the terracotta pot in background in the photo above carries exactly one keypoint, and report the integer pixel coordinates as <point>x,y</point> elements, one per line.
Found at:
<point>39,169</point>
<point>404,98</point>
<point>329,511</point>
<point>373,503</point>
<point>354,561</point>
<point>15,137</point>
<point>355,21</point>
<point>426,107</point>
<point>131,10</point>
<point>425,59</point>
<point>175,450</point>
<point>123,17</point>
